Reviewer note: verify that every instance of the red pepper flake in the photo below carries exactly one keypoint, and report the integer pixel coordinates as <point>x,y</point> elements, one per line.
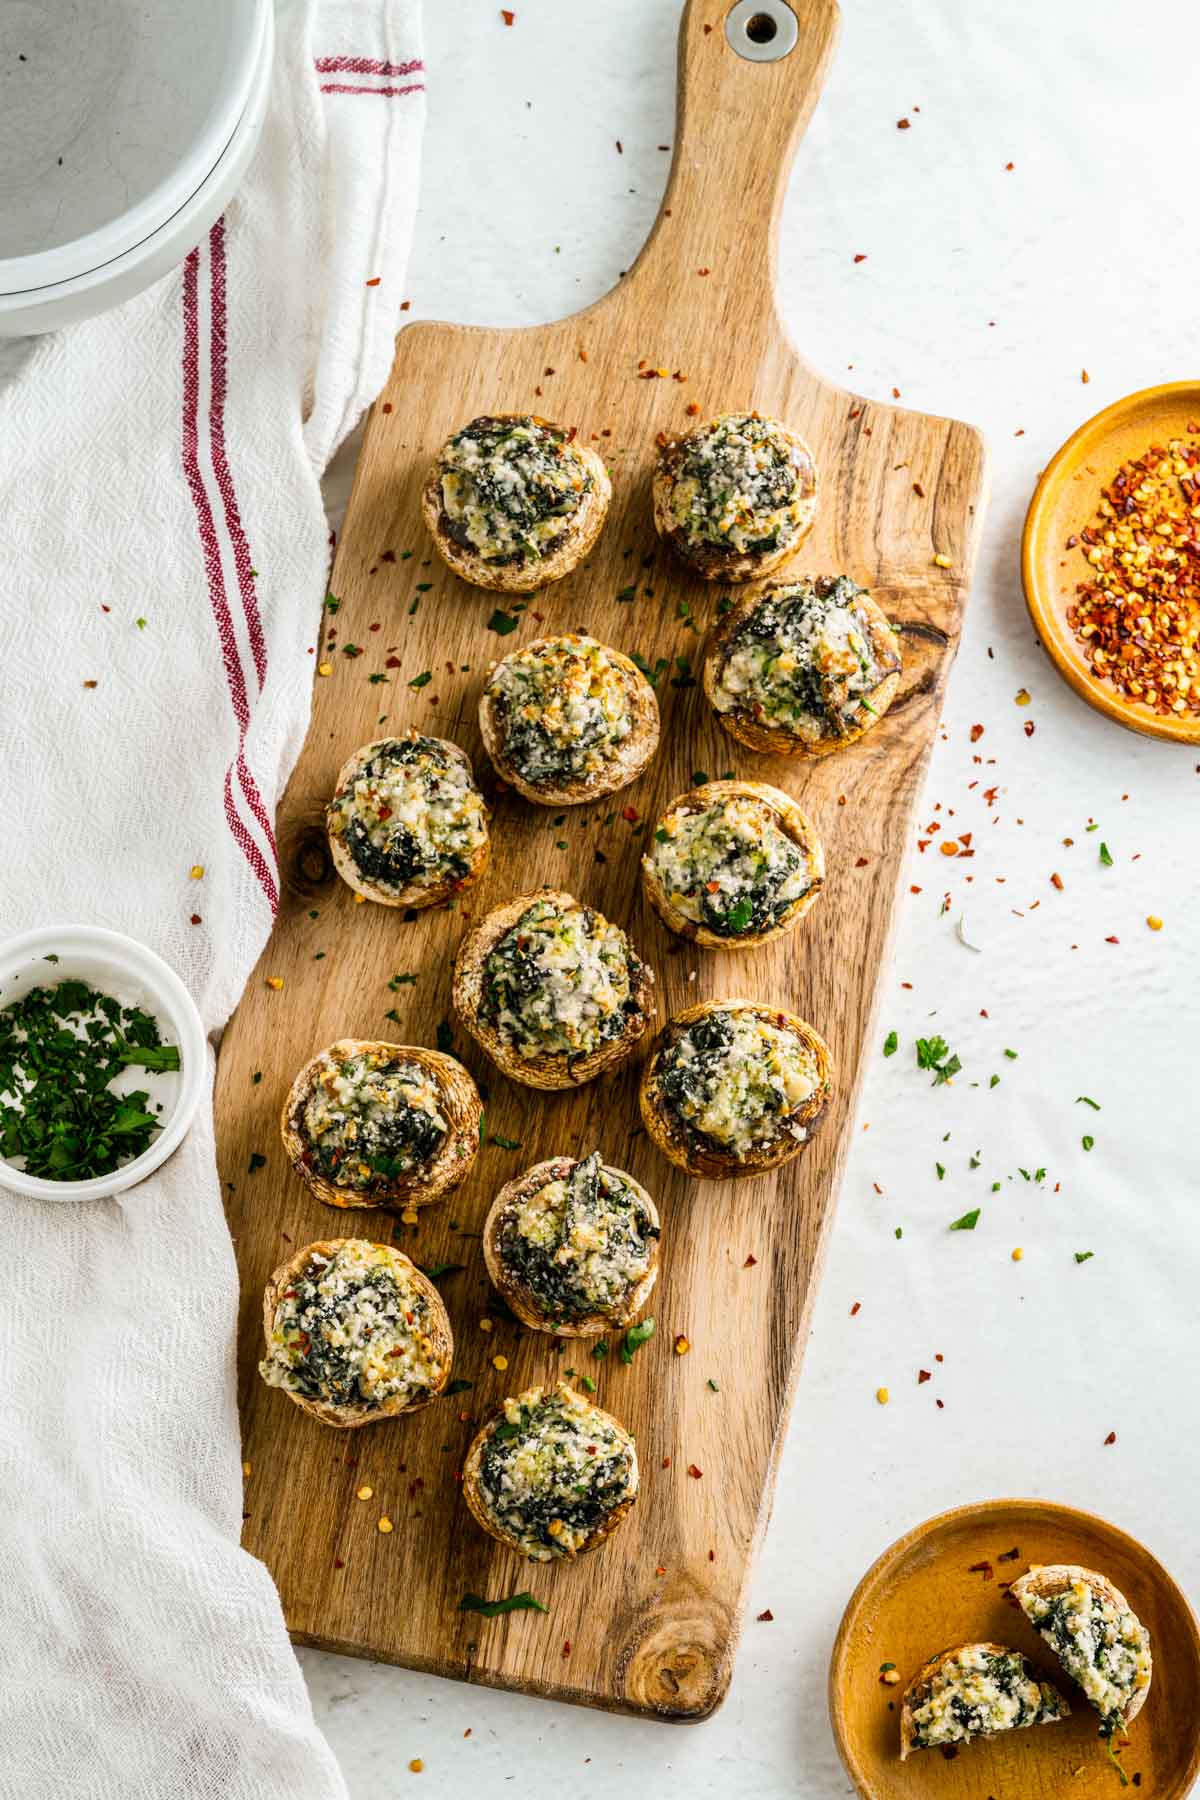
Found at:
<point>982,1568</point>
<point>404,305</point>
<point>704,271</point>
<point>620,147</point>
<point>1112,940</point>
<point>712,1556</point>
<point>861,257</point>
<point>195,918</point>
<point>766,1617</point>
<point>903,124</point>
<point>566,1649</point>
<point>694,1472</point>
<point>509,18</point>
<point>583,356</point>
<point>1013,1555</point>
<point>1008,166</point>
<point>693,408</point>
<point>393,662</point>
<point>976,733</point>
<point>1029,728</point>
<point>750,1262</point>
<point>338,1563</point>
<point>375,280</point>
<point>895,393</point>
<point>91,684</point>
<point>862,862</point>
<point>1056,881</point>
<point>856,1308</point>
<point>918,490</point>
<point>630,813</point>
<point>941,1405</point>
<point>924,1375</point>
<point>666,1462</point>
<point>1111,1438</point>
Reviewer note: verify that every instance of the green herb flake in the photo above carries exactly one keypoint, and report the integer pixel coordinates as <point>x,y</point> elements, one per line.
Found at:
<point>899,1231</point>
<point>994,1082</point>
<point>503,1143</point>
<point>422,680</point>
<point>969,1220</point>
<point>502,623</point>
<point>257,1161</point>
<point>934,1053</point>
<point>1084,1255</point>
<point>891,1044</point>
<point>941,1170</point>
<point>1106,856</point>
<point>627,593</point>
<point>713,1386</point>
<point>491,1609</point>
<point>445,1038</point>
<point>1087,1141</point>
<point>600,1349</point>
<point>635,1337</point>
<point>700,777</point>
<point>1084,1100</point>
<point>586,1382</point>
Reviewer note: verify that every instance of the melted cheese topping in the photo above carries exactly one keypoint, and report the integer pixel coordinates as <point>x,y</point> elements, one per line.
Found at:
<point>353,1330</point>
<point>370,1119</point>
<point>730,866</point>
<point>740,485</point>
<point>554,1470</point>
<point>1104,1649</point>
<point>511,487</point>
<point>738,1080</point>
<point>559,982</point>
<point>409,815</point>
<point>980,1691</point>
<point>804,659</point>
<point>564,707</point>
<point>581,1244</point>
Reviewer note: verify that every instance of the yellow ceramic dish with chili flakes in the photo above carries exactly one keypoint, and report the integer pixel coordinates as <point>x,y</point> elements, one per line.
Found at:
<point>1111,561</point>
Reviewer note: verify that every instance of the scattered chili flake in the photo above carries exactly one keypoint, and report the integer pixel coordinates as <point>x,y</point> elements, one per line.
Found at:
<point>924,1375</point>
<point>982,1568</point>
<point>1056,881</point>
<point>1111,1438</point>
<point>1013,1555</point>
<point>856,1308</point>
<point>508,17</point>
<point>682,1345</point>
<point>903,124</point>
<point>976,733</point>
<point>750,1262</point>
<point>694,1472</point>
<point>861,257</point>
<point>374,281</point>
<point>693,408</point>
<point>766,1617</point>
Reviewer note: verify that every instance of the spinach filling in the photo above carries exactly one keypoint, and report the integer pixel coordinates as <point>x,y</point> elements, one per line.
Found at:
<point>511,487</point>
<point>364,1126</point>
<point>1113,1659</point>
<point>744,469</point>
<point>401,856</point>
<point>560,982</point>
<point>572,1491</point>
<point>564,1283</point>
<point>806,653</point>
<point>325,1335</point>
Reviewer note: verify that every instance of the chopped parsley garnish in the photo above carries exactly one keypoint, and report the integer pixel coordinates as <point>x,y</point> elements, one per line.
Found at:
<point>635,1337</point>
<point>891,1044</point>
<point>627,593</point>
<point>502,623</point>
<point>257,1161</point>
<point>652,674</point>
<point>433,1273</point>
<point>941,1171</point>
<point>445,1038</point>
<point>969,1220</point>
<point>1011,1055</point>
<point>600,1349</point>
<point>1087,1141</point>
<point>1083,1100</point>
<point>934,1053</point>
<point>458,1386</point>
<point>503,1143</point>
<point>1106,856</point>
<point>1084,1255</point>
<point>60,1048</point>
<point>399,981</point>
<point>491,1609</point>
<point>422,680</point>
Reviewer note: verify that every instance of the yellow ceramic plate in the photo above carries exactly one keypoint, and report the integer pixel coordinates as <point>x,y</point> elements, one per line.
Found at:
<point>1064,501</point>
<point>924,1595</point>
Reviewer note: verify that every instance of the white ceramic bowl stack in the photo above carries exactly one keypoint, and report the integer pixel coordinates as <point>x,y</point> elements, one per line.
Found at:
<point>125,128</point>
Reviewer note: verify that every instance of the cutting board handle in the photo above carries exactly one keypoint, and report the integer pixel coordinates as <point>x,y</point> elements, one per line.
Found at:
<point>738,123</point>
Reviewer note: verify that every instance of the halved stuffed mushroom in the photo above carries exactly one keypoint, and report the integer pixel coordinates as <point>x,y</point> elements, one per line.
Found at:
<point>1095,1634</point>
<point>371,1124</point>
<point>734,1088</point>
<point>733,864</point>
<point>971,1692</point>
<point>552,990</point>
<point>572,1247</point>
<point>736,497</point>
<point>513,502</point>
<point>566,720</point>
<point>551,1475</point>
<point>407,825</point>
<point>802,668</point>
<point>355,1333</point>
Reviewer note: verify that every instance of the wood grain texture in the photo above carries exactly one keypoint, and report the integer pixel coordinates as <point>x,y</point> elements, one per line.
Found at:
<point>931,1589</point>
<point>651,1619</point>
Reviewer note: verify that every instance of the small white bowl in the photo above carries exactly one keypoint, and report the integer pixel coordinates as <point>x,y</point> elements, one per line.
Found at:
<point>124,132</point>
<point>117,965</point>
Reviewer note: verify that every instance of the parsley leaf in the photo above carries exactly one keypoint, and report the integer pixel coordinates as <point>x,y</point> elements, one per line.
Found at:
<point>502,623</point>
<point>934,1053</point>
<point>635,1337</point>
<point>891,1044</point>
<point>969,1220</point>
<point>491,1609</point>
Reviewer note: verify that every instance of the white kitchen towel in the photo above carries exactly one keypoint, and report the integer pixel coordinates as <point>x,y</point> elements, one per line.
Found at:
<point>165,559</point>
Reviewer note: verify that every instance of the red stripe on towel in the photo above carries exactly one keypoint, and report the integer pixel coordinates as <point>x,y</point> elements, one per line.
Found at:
<point>344,87</point>
<point>233,518</point>
<point>364,65</point>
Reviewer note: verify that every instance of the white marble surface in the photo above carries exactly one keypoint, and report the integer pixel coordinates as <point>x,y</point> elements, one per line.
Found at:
<point>1085,255</point>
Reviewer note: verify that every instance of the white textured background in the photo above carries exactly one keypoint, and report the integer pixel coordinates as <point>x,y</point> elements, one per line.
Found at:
<point>985,293</point>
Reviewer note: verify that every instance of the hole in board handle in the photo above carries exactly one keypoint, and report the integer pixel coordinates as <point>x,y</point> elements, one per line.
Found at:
<point>762,30</point>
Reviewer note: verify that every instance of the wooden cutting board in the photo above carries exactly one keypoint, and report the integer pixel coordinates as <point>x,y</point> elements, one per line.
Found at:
<point>648,1623</point>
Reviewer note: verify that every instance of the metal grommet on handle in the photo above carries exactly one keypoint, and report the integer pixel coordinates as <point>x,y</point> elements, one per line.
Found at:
<point>762,30</point>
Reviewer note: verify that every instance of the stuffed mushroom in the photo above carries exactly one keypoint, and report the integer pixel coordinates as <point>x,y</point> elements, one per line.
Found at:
<point>407,825</point>
<point>355,1333</point>
<point>971,1692</point>
<point>551,1475</point>
<point>566,720</point>
<point>371,1124</point>
<point>1095,1634</point>
<point>572,1247</point>
<point>802,668</point>
<point>736,497</point>
<point>733,1088</point>
<point>733,864</point>
<point>551,990</point>
<point>514,502</point>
